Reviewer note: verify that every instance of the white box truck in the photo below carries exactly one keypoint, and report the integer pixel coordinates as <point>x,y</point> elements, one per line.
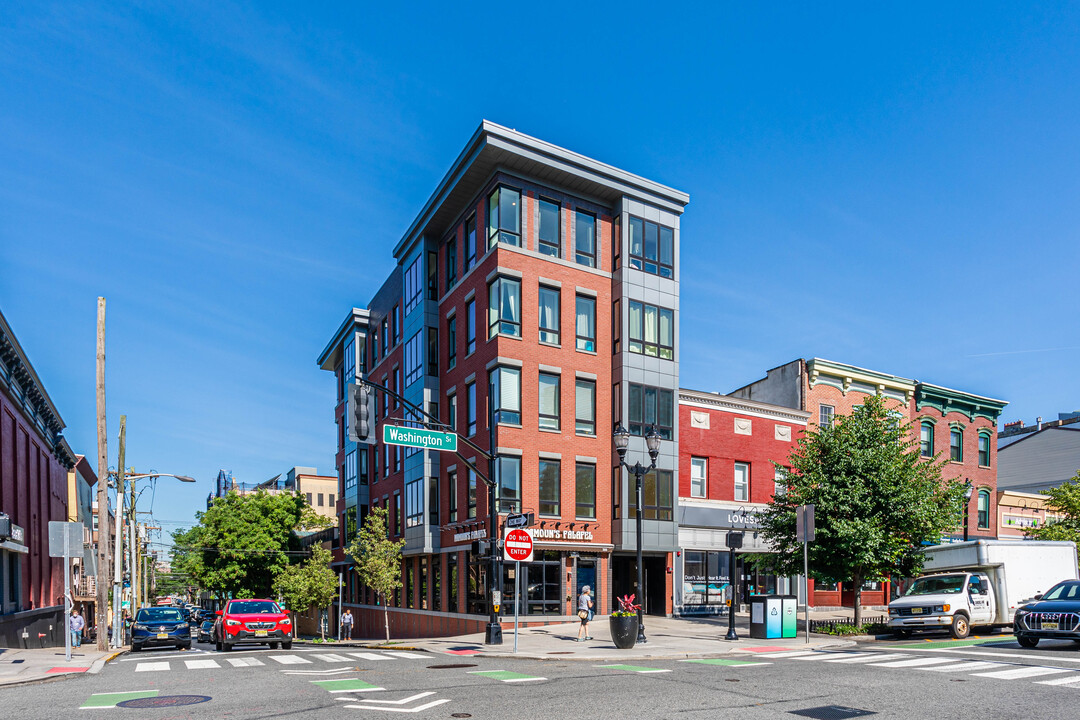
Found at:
<point>979,583</point>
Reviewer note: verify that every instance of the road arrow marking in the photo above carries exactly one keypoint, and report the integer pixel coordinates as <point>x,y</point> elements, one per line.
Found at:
<point>416,709</point>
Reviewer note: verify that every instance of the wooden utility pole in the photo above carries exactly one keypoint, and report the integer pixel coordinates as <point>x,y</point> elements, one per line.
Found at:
<point>101,606</point>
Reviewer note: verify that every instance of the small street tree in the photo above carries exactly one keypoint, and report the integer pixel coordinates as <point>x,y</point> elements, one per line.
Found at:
<point>378,559</point>
<point>311,583</point>
<point>876,502</point>
<point>1064,500</point>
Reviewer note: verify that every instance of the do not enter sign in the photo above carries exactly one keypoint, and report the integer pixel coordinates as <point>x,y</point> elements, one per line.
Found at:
<point>518,546</point>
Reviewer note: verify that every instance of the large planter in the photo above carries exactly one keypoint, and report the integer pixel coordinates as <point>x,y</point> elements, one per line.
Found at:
<point>624,631</point>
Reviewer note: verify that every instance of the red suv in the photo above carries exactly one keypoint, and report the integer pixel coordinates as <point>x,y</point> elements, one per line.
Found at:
<point>260,622</point>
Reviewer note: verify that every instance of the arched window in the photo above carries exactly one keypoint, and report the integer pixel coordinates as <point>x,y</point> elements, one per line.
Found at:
<point>956,445</point>
<point>984,449</point>
<point>984,509</point>
<point>926,438</point>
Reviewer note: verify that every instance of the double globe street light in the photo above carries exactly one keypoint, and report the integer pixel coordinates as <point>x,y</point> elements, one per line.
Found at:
<point>621,437</point>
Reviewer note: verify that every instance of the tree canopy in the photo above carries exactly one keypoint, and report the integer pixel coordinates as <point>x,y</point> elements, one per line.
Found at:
<point>378,558</point>
<point>311,583</point>
<point>1064,500</point>
<point>876,501</point>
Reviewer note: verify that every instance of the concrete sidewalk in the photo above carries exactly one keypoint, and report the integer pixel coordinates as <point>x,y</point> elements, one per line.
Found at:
<point>19,666</point>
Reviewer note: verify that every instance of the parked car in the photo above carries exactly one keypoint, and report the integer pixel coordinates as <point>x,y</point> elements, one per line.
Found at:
<point>1055,615</point>
<point>206,631</point>
<point>156,626</point>
<point>260,622</point>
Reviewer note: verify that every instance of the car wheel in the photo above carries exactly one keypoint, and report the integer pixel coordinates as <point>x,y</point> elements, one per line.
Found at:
<point>287,645</point>
<point>273,646</point>
<point>1027,642</point>
<point>227,646</point>
<point>901,634</point>
<point>135,647</point>
<point>960,628</point>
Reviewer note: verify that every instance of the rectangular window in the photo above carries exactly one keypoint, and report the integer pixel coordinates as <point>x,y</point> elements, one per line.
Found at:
<point>550,323</point>
<point>320,498</point>
<point>414,502</point>
<point>652,330</point>
<point>397,513</point>
<point>926,439</point>
<point>956,445</point>
<point>451,263</point>
<point>451,413</point>
<point>470,410</point>
<point>470,243</point>
<point>585,239</point>
<point>350,470</point>
<point>585,326</point>
<point>504,307</point>
<point>983,516</point>
<point>825,416</point>
<point>649,406</point>
<point>330,499</point>
<point>433,351</point>
<point>549,235</point>
<point>657,496</point>
<point>508,477</point>
<point>413,360</point>
<point>433,276</point>
<point>652,247</point>
<point>504,387</point>
<point>550,487</point>
<point>778,483</point>
<point>472,494</point>
<point>742,482</point>
<point>504,217</point>
<point>585,491</point>
<point>433,501</point>
<point>698,475</point>
<point>984,449</point>
<point>395,319</point>
<point>585,407</point>
<point>452,489</point>
<point>549,401</point>
<point>451,343</point>
<point>413,288</point>
<point>470,327</point>
<point>385,338</point>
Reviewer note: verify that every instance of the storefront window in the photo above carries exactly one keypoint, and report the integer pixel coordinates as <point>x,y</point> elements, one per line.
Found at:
<point>705,579</point>
<point>477,599</point>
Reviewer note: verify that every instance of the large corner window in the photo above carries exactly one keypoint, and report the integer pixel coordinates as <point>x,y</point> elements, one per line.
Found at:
<point>413,288</point>
<point>504,386</point>
<point>414,502</point>
<point>549,315</point>
<point>585,325</point>
<point>585,239</point>
<point>649,406</point>
<point>652,330</point>
<point>926,439</point>
<point>956,445</point>
<point>414,366</point>
<point>504,217</point>
<point>504,307</point>
<point>508,477</point>
<point>652,247</point>
<point>984,509</point>
<point>549,237</point>
<point>550,487</point>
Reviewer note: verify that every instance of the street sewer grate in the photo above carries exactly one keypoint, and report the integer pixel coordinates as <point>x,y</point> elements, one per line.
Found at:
<point>460,715</point>
<point>832,712</point>
<point>554,652</point>
<point>450,667</point>
<point>164,701</point>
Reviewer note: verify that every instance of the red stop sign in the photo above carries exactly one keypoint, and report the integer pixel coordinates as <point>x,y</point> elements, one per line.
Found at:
<point>518,546</point>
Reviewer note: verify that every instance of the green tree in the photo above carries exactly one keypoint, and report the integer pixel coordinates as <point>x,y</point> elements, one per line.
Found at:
<point>378,559</point>
<point>311,583</point>
<point>1064,500</point>
<point>243,541</point>
<point>876,502</point>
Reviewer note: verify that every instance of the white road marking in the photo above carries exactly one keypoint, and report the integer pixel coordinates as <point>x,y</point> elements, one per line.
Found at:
<point>330,657</point>
<point>370,656</point>
<point>152,666</point>
<point>914,662</point>
<point>400,702</point>
<point>871,657</point>
<point>849,656</point>
<point>338,671</point>
<point>1021,672</point>
<point>1069,680</point>
<point>1003,655</point>
<point>416,709</point>
<point>162,656</point>
<point>792,653</point>
<point>962,666</point>
<point>823,655</point>
<point>244,662</point>
<point>406,655</point>
<point>290,660</point>
<point>201,664</point>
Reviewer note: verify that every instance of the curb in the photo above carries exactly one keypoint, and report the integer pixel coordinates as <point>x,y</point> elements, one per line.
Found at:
<point>100,663</point>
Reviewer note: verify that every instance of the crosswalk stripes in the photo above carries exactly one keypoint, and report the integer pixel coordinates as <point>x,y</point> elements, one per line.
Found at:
<point>406,655</point>
<point>1070,680</point>
<point>962,667</point>
<point>331,657</point>
<point>370,656</point>
<point>289,659</point>
<point>244,662</point>
<point>152,666</point>
<point>201,664</point>
<point>1021,672</point>
<point>206,663</point>
<point>913,662</point>
<point>876,657</point>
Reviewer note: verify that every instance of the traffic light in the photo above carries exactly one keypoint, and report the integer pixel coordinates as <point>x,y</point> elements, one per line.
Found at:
<point>359,410</point>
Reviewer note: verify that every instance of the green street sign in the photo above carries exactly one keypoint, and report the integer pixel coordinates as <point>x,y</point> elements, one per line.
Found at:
<point>419,438</point>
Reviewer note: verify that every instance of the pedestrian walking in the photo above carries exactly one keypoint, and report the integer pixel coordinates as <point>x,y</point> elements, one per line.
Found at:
<point>346,624</point>
<point>76,624</point>
<point>585,612</point>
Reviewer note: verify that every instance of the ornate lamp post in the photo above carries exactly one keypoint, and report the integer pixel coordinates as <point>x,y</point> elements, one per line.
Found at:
<point>968,487</point>
<point>652,441</point>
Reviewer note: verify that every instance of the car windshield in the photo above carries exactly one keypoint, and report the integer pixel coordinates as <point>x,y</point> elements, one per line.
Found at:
<point>158,615</point>
<point>253,607</point>
<point>938,585</point>
<point>207,625</point>
<point>1063,591</point>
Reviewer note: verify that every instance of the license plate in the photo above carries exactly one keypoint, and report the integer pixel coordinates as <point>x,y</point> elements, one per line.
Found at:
<point>260,633</point>
<point>916,611</point>
<point>163,636</point>
<point>1049,626</point>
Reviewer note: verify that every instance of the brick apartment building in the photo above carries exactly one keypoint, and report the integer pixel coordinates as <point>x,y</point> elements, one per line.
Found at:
<point>958,426</point>
<point>547,282</point>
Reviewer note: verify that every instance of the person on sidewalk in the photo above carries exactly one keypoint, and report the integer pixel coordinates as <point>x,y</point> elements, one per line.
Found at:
<point>585,612</point>
<point>76,624</point>
<point>346,625</point>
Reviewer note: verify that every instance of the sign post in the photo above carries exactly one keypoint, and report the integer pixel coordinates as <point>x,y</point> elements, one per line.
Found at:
<point>518,546</point>
<point>66,541</point>
<point>804,532</point>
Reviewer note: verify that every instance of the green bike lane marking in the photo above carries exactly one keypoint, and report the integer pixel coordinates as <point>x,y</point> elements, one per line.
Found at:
<point>725,661</point>
<point>506,675</point>
<point>927,644</point>
<point>108,700</point>
<point>345,685</point>
<point>632,668</point>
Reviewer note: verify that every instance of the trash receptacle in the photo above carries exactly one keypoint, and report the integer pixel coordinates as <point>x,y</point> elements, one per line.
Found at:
<point>772,616</point>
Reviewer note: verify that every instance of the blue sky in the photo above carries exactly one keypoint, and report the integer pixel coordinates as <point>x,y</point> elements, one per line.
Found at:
<point>892,188</point>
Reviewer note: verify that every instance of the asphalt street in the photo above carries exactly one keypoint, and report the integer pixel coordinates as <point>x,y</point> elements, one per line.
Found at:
<point>896,680</point>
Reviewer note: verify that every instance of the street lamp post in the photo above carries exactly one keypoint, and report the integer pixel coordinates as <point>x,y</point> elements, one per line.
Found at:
<point>968,487</point>
<point>652,443</point>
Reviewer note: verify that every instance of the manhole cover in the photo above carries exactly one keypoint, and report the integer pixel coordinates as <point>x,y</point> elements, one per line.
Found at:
<point>451,667</point>
<point>164,701</point>
<point>561,652</point>
<point>832,712</point>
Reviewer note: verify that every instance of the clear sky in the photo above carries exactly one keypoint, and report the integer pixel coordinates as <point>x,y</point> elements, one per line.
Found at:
<point>896,189</point>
